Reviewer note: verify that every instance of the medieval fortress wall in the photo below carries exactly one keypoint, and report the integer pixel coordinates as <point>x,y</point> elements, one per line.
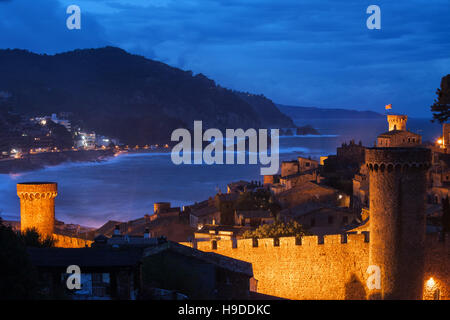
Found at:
<point>63,241</point>
<point>437,266</point>
<point>412,266</point>
<point>335,268</point>
<point>332,267</point>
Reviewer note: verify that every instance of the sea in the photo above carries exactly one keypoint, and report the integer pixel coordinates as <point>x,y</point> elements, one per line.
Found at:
<point>125,187</point>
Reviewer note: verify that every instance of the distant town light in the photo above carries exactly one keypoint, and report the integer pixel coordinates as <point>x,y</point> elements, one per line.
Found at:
<point>439,141</point>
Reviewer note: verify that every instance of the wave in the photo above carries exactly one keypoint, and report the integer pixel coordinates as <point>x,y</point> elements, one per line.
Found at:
<point>311,136</point>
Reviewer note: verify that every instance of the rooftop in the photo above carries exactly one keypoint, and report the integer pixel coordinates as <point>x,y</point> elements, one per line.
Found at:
<point>84,257</point>
<point>397,132</point>
<point>255,214</point>
<point>205,211</point>
<point>210,257</point>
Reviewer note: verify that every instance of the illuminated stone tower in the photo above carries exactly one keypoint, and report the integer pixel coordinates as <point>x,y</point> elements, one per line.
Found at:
<point>161,207</point>
<point>37,206</point>
<point>397,122</point>
<point>397,186</point>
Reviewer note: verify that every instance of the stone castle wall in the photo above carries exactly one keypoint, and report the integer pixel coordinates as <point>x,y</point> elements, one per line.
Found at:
<point>70,242</point>
<point>306,270</point>
<point>332,268</point>
<point>437,266</point>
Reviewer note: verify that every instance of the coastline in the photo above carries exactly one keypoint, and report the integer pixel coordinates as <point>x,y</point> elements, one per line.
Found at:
<point>38,161</point>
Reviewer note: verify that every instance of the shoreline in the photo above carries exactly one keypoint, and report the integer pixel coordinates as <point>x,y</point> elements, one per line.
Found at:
<point>33,162</point>
<point>39,161</point>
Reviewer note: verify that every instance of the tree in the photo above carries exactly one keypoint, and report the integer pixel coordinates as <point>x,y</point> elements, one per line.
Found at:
<point>18,278</point>
<point>441,105</point>
<point>32,238</point>
<point>446,215</point>
<point>276,230</point>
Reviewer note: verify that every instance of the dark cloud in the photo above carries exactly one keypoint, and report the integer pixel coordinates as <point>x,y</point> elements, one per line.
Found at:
<point>316,52</point>
<point>41,27</point>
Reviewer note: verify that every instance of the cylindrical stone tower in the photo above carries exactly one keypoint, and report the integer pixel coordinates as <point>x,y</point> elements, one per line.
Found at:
<point>397,186</point>
<point>37,206</point>
<point>397,122</point>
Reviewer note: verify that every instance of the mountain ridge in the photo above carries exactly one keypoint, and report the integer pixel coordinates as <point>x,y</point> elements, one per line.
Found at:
<point>126,96</point>
<point>326,113</point>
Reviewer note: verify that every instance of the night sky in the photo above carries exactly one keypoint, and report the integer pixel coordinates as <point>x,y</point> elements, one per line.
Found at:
<point>308,53</point>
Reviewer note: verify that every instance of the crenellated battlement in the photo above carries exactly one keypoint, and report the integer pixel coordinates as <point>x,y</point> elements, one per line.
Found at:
<point>323,266</point>
<point>282,242</point>
<point>37,206</point>
<point>305,241</point>
<point>30,196</point>
<point>328,267</point>
<point>62,241</point>
<point>37,190</point>
<point>397,160</point>
<point>380,159</point>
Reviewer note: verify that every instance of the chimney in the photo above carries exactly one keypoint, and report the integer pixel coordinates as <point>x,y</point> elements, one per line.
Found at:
<point>117,230</point>
<point>146,234</point>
